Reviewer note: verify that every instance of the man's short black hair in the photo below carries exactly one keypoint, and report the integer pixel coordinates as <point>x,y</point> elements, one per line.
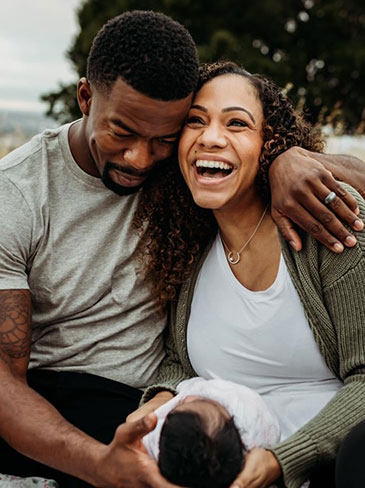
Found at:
<point>190,457</point>
<point>151,52</point>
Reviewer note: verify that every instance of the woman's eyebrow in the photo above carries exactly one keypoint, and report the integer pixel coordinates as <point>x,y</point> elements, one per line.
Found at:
<point>199,107</point>
<point>230,109</point>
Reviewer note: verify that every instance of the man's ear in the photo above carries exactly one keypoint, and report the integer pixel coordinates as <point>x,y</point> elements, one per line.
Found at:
<point>84,96</point>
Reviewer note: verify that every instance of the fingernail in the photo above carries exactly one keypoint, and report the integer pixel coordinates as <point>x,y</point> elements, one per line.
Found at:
<point>350,241</point>
<point>357,211</point>
<point>338,247</point>
<point>292,243</point>
<point>358,224</point>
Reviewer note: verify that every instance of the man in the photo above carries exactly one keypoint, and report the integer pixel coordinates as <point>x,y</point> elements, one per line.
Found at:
<point>68,250</point>
<point>76,310</point>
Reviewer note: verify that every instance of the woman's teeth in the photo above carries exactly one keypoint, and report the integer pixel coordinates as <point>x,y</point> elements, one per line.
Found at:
<point>213,169</point>
<point>200,163</point>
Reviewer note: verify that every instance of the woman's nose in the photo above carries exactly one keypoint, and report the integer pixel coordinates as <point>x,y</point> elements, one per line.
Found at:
<point>212,136</point>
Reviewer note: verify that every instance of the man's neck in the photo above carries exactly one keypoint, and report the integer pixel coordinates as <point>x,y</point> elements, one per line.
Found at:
<point>80,148</point>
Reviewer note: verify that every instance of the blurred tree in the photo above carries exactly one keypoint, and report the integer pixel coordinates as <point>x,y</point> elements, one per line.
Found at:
<point>314,48</point>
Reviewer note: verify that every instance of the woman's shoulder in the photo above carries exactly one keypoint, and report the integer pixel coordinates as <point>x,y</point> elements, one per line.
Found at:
<point>356,194</point>
<point>316,258</point>
<point>351,256</point>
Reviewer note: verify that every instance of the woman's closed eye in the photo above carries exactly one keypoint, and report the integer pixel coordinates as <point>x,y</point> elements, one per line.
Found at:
<point>194,120</point>
<point>237,123</point>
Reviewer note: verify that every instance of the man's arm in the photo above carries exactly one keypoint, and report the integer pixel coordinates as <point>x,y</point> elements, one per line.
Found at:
<point>300,180</point>
<point>34,427</point>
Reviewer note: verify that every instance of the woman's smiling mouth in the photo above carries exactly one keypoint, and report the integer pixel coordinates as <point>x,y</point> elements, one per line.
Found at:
<point>213,168</point>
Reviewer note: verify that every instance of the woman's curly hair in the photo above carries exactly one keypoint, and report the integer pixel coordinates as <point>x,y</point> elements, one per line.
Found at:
<point>175,228</point>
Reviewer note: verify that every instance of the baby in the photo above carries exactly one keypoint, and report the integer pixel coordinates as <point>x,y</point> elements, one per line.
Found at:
<point>204,432</point>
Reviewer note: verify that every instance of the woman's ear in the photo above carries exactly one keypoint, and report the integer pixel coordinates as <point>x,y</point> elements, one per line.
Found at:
<point>84,96</point>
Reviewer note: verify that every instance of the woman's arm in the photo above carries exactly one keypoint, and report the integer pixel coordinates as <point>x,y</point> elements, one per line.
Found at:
<point>300,180</point>
<point>341,339</point>
<point>319,440</point>
<point>150,406</point>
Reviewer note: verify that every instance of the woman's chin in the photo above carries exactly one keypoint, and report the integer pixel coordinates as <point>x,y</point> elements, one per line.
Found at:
<point>208,203</point>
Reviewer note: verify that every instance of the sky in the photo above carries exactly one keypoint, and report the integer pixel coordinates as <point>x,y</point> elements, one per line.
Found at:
<point>34,37</point>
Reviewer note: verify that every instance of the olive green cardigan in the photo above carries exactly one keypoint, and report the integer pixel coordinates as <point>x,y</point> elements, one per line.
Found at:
<point>332,290</point>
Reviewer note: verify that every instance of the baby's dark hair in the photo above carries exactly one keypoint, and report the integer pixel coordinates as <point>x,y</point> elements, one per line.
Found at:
<point>151,52</point>
<point>191,457</point>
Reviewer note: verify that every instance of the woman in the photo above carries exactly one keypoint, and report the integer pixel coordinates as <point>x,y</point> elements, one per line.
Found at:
<point>289,325</point>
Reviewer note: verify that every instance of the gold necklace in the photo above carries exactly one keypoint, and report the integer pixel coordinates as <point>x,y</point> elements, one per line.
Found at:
<point>230,255</point>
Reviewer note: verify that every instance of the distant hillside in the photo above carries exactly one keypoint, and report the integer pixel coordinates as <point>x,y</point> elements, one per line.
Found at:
<point>29,123</point>
<point>18,127</point>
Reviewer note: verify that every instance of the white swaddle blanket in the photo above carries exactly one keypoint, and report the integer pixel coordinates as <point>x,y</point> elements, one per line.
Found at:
<point>256,423</point>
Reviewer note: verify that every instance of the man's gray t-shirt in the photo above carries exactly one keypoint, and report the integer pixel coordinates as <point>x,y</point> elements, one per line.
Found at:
<point>71,241</point>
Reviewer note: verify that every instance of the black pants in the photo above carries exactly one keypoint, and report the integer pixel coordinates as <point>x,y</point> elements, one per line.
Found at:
<point>93,404</point>
<point>350,462</point>
<point>324,477</point>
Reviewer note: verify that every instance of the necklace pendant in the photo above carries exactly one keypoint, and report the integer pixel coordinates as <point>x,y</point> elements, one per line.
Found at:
<point>230,255</point>
<point>231,258</point>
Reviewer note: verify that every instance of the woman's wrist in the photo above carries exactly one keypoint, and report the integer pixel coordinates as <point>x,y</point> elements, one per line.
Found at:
<point>164,394</point>
<point>275,467</point>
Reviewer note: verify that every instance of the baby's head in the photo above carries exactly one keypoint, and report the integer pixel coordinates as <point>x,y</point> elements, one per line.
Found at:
<point>200,446</point>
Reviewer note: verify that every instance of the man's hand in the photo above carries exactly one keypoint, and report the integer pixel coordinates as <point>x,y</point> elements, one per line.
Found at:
<point>159,399</point>
<point>299,184</point>
<point>125,461</point>
<point>261,469</point>
<point>34,427</point>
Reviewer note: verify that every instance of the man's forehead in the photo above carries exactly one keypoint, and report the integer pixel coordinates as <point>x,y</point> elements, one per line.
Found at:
<point>148,128</point>
<point>123,91</point>
<point>145,116</point>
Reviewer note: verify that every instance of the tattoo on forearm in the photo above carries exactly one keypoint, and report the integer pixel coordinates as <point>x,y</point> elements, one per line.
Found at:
<point>15,323</point>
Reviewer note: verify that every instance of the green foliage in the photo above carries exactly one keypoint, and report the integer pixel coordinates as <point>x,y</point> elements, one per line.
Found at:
<point>315,48</point>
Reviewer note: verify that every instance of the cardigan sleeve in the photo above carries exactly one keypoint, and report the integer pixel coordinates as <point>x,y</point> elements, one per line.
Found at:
<point>318,441</point>
<point>176,366</point>
<point>343,294</point>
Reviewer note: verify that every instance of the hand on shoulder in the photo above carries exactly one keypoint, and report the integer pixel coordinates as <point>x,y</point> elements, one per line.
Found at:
<point>300,182</point>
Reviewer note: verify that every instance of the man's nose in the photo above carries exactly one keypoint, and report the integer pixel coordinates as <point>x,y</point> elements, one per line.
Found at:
<point>139,155</point>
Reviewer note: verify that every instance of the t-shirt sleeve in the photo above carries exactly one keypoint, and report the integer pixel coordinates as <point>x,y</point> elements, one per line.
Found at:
<point>16,222</point>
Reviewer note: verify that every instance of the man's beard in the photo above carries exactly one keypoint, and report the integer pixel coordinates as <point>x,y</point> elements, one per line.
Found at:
<point>115,187</point>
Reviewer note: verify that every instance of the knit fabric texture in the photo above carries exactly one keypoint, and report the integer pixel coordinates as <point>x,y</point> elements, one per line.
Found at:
<point>332,290</point>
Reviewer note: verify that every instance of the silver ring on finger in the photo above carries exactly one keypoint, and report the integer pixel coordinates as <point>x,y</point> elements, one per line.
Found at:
<point>329,198</point>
